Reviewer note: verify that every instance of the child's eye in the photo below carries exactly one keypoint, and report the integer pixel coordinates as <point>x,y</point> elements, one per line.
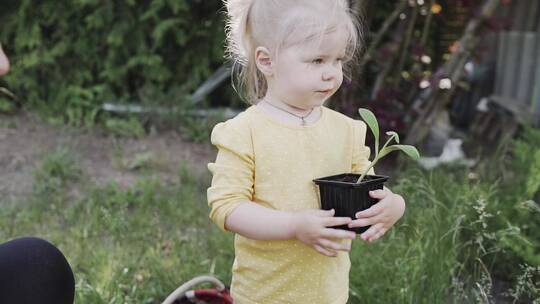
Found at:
<point>317,61</point>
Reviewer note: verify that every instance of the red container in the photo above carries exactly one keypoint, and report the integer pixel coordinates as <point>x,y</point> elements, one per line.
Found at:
<point>342,193</point>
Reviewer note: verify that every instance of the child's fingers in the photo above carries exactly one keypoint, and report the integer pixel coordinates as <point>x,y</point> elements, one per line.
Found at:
<point>372,231</point>
<point>336,221</point>
<point>334,246</point>
<point>330,233</point>
<point>371,211</point>
<point>363,222</point>
<point>326,213</point>
<point>324,251</point>
<point>378,194</point>
<point>377,235</point>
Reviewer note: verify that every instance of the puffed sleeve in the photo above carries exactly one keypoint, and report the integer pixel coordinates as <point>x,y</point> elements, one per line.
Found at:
<point>232,172</point>
<point>361,152</point>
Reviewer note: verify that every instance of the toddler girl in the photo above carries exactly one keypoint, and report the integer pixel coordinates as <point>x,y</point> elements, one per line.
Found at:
<point>291,55</point>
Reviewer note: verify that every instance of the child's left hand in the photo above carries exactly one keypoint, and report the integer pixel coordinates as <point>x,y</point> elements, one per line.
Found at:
<point>381,216</point>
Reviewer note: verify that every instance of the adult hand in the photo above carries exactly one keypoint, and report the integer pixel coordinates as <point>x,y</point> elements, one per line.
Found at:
<point>311,227</point>
<point>381,216</point>
<point>4,62</point>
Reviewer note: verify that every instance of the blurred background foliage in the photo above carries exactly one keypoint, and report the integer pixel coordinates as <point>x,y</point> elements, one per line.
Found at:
<point>69,57</point>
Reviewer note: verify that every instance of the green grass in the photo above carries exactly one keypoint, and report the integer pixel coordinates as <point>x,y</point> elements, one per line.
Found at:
<point>424,259</point>
<point>137,245</point>
<point>131,245</point>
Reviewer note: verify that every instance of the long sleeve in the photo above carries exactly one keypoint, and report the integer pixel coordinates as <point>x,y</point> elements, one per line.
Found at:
<point>361,152</point>
<point>233,170</point>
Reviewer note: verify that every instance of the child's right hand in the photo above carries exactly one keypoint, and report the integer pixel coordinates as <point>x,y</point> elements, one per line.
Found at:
<point>4,62</point>
<point>311,227</point>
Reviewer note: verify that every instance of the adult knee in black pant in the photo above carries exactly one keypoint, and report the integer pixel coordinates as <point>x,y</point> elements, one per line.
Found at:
<point>34,271</point>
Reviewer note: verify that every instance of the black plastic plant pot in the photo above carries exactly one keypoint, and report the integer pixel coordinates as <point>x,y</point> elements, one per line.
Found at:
<point>342,193</point>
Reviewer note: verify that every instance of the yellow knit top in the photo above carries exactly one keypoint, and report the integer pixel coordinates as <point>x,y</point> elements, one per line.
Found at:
<point>263,160</point>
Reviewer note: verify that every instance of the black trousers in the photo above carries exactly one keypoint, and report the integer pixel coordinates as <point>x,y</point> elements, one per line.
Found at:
<point>34,271</point>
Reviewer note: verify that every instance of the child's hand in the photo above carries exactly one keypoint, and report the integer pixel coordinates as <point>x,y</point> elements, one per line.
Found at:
<point>311,227</point>
<point>381,216</point>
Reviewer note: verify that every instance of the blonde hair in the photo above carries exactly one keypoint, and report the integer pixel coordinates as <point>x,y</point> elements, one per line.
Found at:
<point>277,24</point>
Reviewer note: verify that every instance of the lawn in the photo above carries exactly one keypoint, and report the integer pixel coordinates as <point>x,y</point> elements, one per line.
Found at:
<point>136,244</point>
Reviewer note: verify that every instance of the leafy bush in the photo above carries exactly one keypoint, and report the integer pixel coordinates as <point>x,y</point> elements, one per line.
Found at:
<point>71,56</point>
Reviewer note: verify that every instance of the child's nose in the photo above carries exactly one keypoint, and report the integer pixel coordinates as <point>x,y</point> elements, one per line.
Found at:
<point>330,73</point>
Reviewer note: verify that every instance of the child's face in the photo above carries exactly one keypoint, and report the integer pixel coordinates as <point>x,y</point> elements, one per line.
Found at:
<point>306,75</point>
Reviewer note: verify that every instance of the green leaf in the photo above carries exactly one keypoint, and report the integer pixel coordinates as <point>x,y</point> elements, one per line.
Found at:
<point>407,149</point>
<point>392,133</point>
<point>371,121</point>
<point>387,150</point>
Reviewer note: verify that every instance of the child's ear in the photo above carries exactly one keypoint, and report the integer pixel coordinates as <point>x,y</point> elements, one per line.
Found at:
<point>264,61</point>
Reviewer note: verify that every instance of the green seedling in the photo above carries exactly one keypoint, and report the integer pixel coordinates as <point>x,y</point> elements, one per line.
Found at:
<point>373,125</point>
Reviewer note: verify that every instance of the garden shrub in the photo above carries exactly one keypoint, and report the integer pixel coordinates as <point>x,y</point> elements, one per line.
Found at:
<point>69,57</point>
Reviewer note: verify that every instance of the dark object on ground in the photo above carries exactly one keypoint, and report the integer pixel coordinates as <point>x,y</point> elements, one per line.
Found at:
<point>34,271</point>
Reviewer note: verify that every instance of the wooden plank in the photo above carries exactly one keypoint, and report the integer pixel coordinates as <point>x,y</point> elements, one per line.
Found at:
<point>511,63</point>
<point>512,108</point>
<point>527,69</point>
<point>535,98</point>
<point>490,42</point>
<point>502,44</point>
